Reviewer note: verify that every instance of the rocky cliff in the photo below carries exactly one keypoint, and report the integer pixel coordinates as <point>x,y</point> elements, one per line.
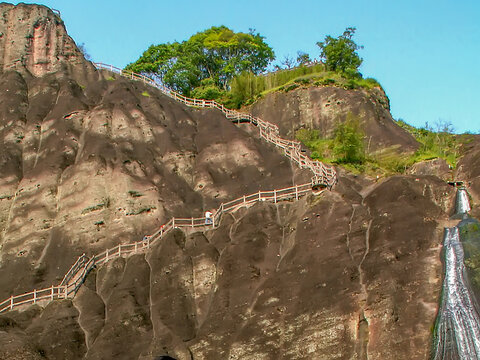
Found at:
<point>89,160</point>
<point>322,107</point>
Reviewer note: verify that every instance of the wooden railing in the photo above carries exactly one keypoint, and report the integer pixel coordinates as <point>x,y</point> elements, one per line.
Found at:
<point>76,275</point>
<point>323,176</point>
<point>50,294</point>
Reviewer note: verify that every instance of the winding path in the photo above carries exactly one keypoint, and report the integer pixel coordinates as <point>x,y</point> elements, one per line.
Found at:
<point>323,177</point>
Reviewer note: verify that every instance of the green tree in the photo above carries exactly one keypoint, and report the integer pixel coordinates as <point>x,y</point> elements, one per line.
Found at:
<point>217,53</point>
<point>303,58</point>
<point>348,143</point>
<point>340,54</point>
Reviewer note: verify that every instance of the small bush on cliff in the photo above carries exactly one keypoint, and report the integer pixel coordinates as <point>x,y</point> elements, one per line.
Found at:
<point>345,147</point>
<point>347,142</point>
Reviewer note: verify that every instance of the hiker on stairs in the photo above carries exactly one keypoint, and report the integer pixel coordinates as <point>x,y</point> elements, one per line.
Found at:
<point>208,217</point>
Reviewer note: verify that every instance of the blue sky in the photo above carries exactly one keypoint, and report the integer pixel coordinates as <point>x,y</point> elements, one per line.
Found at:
<point>425,53</point>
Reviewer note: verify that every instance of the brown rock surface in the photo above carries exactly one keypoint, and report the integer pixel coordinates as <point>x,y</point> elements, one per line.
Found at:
<point>33,39</point>
<point>334,274</point>
<point>436,167</point>
<point>88,160</point>
<point>97,161</point>
<point>468,170</point>
<point>322,107</point>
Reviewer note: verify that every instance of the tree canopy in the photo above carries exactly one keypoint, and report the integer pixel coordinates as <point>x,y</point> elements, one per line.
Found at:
<point>217,54</point>
<point>340,54</point>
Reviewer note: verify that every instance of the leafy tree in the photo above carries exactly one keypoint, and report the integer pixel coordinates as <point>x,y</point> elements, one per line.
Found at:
<point>217,53</point>
<point>340,54</point>
<point>303,58</point>
<point>348,143</point>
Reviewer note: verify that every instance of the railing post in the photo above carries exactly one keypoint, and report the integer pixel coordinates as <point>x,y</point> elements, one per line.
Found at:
<point>65,289</point>
<point>136,246</point>
<point>51,293</point>
<point>275,196</point>
<point>296,192</point>
<point>11,302</point>
<point>106,255</point>
<point>120,250</point>
<point>213,221</point>
<point>34,296</point>
<point>244,200</point>
<point>173,223</point>
<point>192,222</point>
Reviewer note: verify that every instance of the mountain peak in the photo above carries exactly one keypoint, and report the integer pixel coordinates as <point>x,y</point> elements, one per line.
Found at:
<point>33,38</point>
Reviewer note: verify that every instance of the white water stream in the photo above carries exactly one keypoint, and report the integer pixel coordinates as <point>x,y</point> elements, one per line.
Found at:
<point>458,327</point>
<point>463,204</point>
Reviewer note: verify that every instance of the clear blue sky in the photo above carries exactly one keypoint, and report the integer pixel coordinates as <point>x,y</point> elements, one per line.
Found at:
<point>425,53</point>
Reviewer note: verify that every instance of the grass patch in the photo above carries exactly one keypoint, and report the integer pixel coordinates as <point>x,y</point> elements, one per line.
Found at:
<point>247,87</point>
<point>134,193</point>
<point>142,210</point>
<point>104,204</point>
<point>435,143</point>
<point>146,94</point>
<point>383,162</point>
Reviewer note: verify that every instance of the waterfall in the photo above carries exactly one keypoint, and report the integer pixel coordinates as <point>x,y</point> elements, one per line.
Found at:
<point>458,328</point>
<point>462,204</point>
<point>458,322</point>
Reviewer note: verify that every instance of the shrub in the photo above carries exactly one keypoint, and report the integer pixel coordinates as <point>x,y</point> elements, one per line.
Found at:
<point>348,141</point>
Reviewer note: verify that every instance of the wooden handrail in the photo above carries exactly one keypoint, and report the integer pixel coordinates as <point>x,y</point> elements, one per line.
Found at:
<point>322,175</point>
<point>75,276</point>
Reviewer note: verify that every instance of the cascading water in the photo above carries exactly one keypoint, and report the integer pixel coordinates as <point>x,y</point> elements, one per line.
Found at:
<point>462,204</point>
<point>458,323</point>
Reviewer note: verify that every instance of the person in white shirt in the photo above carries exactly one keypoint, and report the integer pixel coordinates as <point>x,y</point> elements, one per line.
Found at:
<point>208,217</point>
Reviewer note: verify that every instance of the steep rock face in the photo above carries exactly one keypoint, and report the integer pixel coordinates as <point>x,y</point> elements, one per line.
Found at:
<point>468,170</point>
<point>350,274</point>
<point>82,173</point>
<point>34,39</point>
<point>50,333</point>
<point>437,167</point>
<point>322,107</point>
<point>88,161</point>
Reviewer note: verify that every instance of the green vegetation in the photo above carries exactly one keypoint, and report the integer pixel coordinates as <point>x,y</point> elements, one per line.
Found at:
<point>93,208</point>
<point>146,94</point>
<point>340,54</point>
<point>142,210</point>
<point>217,54</point>
<point>104,204</point>
<point>347,147</point>
<point>347,143</point>
<point>220,64</point>
<point>134,193</point>
<point>438,142</point>
<point>247,87</point>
